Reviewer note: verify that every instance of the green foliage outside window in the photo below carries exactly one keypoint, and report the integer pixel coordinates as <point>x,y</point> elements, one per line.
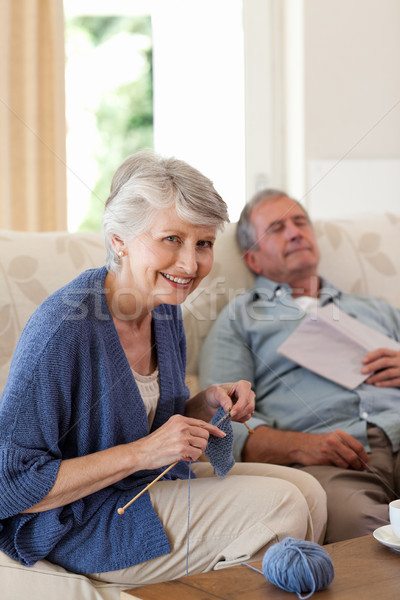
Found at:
<point>124,115</point>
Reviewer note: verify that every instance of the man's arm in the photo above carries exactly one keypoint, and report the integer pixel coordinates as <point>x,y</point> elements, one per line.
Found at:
<point>225,356</point>
<point>336,448</point>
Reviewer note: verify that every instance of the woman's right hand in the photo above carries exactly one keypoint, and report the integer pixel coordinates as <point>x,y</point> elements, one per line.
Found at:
<point>180,438</point>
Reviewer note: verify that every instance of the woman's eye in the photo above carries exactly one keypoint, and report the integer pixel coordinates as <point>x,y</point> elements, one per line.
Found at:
<point>172,238</point>
<point>205,244</point>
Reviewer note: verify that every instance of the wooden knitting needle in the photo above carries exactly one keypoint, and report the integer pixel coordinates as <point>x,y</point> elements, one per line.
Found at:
<point>249,429</point>
<point>121,511</point>
<point>228,414</point>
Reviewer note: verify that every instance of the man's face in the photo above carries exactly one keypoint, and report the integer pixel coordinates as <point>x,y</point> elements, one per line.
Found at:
<point>287,250</point>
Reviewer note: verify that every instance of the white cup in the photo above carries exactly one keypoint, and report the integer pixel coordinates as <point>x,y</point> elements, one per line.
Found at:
<point>394,515</point>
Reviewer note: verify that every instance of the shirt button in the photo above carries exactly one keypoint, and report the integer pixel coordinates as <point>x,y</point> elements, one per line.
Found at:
<point>364,415</point>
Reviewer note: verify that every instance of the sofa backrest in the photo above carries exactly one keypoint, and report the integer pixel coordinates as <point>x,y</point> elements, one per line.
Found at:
<point>32,266</point>
<point>360,255</point>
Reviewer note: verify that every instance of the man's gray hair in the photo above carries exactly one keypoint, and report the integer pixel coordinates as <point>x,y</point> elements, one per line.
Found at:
<point>146,183</point>
<point>245,231</point>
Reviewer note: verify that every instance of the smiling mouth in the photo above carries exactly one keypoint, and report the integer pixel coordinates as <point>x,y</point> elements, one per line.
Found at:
<point>180,280</point>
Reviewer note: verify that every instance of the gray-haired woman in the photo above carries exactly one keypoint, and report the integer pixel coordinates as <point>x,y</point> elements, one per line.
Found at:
<point>96,407</point>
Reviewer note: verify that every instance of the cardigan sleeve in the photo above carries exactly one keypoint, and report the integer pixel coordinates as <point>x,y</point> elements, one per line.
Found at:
<point>26,476</point>
<point>35,413</point>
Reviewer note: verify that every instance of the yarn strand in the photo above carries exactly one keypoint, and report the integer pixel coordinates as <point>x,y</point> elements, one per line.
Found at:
<point>253,568</point>
<point>188,521</point>
<point>309,572</point>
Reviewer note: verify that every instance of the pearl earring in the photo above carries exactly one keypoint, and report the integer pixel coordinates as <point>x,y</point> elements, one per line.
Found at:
<point>121,253</point>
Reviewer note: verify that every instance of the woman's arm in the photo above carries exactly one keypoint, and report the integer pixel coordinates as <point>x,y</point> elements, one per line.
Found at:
<point>180,438</point>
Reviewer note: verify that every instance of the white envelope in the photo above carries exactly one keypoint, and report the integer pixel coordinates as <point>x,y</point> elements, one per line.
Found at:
<point>332,344</point>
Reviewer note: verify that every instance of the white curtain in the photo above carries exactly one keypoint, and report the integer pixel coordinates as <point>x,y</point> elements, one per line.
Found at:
<point>32,116</point>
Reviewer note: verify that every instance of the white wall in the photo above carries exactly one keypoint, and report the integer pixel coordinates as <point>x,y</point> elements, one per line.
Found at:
<point>352,105</point>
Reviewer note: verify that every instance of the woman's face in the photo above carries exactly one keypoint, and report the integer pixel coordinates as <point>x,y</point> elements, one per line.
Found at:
<point>167,262</point>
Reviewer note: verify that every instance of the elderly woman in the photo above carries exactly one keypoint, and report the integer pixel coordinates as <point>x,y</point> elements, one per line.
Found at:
<point>96,407</point>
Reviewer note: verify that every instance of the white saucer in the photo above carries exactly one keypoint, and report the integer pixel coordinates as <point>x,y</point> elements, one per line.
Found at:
<point>385,536</point>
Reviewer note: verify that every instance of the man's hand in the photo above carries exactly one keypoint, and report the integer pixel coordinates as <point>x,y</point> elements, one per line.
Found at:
<point>337,448</point>
<point>385,366</point>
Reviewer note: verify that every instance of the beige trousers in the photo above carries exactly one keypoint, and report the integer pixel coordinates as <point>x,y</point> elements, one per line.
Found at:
<point>358,500</point>
<point>232,519</point>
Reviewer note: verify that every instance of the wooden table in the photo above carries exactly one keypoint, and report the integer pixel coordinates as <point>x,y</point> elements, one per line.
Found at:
<point>364,570</point>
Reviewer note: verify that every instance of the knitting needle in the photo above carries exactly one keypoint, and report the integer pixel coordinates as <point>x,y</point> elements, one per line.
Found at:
<point>228,414</point>
<point>121,511</point>
<point>249,429</point>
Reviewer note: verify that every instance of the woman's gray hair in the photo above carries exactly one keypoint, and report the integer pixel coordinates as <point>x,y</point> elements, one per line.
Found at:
<point>146,183</point>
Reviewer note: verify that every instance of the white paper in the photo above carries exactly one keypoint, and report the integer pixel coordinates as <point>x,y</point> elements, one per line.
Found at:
<point>332,344</point>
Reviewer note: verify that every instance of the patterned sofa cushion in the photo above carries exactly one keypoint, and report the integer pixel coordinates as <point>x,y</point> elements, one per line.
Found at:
<point>32,266</point>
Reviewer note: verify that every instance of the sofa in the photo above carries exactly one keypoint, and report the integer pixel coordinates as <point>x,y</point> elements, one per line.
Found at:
<point>359,254</point>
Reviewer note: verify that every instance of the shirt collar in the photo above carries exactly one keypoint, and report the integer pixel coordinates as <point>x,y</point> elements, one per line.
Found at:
<point>267,288</point>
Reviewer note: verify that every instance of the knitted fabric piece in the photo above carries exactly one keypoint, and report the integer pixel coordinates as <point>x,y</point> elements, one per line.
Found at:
<point>219,450</point>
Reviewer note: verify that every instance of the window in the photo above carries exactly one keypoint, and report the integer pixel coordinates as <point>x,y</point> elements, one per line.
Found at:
<point>109,100</point>
<point>195,58</point>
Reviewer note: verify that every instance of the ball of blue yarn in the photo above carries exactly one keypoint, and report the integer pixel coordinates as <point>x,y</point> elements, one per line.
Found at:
<point>298,566</point>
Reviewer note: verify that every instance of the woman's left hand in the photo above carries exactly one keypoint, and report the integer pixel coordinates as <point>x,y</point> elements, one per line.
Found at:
<point>237,397</point>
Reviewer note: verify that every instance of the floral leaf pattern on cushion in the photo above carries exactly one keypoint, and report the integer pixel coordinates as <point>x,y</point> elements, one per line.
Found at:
<point>32,266</point>
<point>77,254</point>
<point>369,243</point>
<point>357,288</point>
<point>394,219</point>
<point>22,270</point>
<point>382,263</point>
<point>7,334</point>
<point>367,261</point>
<point>5,318</point>
<point>33,290</point>
<point>76,248</point>
<point>22,267</point>
<point>334,234</point>
<point>61,244</point>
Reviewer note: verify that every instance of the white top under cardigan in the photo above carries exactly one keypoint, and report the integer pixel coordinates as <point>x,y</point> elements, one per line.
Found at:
<point>149,388</point>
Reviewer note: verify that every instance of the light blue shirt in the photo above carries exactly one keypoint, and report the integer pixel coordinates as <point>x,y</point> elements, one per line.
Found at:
<point>243,342</point>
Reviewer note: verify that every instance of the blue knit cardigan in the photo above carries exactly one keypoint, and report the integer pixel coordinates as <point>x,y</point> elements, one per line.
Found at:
<point>71,392</point>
